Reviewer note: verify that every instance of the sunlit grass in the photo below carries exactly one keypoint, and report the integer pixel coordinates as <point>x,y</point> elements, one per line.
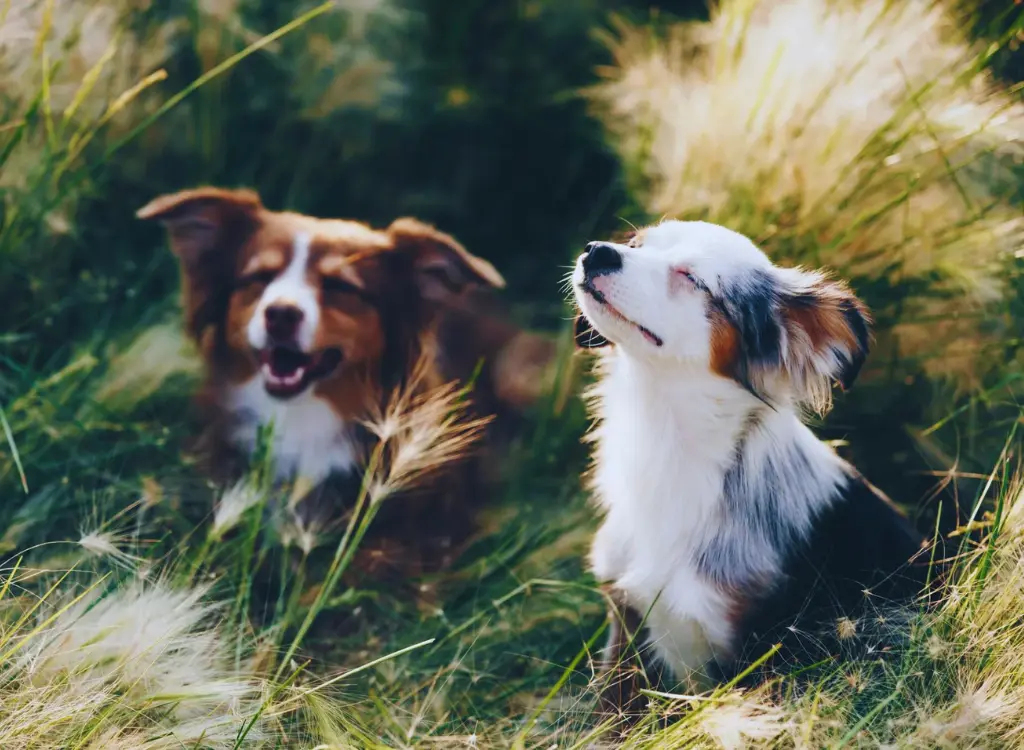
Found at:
<point>867,137</point>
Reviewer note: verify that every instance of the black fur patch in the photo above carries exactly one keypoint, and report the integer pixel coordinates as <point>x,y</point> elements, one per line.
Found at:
<point>586,336</point>
<point>752,522</point>
<point>862,331</point>
<point>752,305</point>
<point>860,543</point>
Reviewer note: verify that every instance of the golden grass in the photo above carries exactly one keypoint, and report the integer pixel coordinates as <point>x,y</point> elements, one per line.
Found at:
<point>864,136</point>
<point>139,665</point>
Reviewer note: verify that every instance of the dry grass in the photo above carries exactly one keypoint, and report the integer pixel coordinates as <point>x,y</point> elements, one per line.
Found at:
<point>863,136</point>
<point>140,665</point>
<point>153,663</point>
<point>84,49</point>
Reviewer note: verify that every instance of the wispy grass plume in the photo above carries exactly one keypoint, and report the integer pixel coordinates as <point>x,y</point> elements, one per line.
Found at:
<point>421,428</point>
<point>866,136</point>
<point>141,665</point>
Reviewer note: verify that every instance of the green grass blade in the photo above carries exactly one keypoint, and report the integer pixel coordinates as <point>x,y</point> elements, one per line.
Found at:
<point>216,71</point>
<point>9,435</point>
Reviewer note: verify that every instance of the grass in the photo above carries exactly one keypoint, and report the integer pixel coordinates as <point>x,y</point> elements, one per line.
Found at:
<point>140,607</point>
<point>882,150</point>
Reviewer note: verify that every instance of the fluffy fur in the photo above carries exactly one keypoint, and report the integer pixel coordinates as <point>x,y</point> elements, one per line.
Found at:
<point>728,526</point>
<point>306,326</point>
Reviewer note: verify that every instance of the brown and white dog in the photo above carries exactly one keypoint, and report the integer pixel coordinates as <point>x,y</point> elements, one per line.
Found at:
<point>305,323</point>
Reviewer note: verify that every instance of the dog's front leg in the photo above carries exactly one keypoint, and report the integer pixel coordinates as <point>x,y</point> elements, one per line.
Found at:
<point>622,669</point>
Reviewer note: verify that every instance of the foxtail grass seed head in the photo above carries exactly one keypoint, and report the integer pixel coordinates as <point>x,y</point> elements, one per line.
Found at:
<point>233,505</point>
<point>139,666</point>
<point>739,722</point>
<point>110,546</point>
<point>420,429</point>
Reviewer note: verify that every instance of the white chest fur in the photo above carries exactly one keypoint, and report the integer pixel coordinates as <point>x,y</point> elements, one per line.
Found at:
<point>665,440</point>
<point>310,441</point>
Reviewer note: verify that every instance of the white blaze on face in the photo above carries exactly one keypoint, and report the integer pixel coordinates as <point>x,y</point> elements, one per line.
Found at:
<point>291,288</point>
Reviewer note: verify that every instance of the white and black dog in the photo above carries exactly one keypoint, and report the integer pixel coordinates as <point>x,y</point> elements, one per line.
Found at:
<point>728,526</point>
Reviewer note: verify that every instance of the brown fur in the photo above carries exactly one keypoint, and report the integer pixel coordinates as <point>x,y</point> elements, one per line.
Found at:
<point>622,671</point>
<point>725,344</point>
<point>824,322</point>
<point>412,281</point>
<point>826,315</point>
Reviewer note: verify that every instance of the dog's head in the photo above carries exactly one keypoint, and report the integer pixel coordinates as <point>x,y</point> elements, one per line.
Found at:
<point>693,292</point>
<point>297,299</point>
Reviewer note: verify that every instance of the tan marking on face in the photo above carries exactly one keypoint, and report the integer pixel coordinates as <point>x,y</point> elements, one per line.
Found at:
<point>266,259</point>
<point>347,251</point>
<point>725,345</point>
<point>339,266</point>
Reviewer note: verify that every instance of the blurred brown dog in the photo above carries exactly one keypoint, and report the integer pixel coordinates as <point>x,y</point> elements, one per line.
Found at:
<point>307,324</point>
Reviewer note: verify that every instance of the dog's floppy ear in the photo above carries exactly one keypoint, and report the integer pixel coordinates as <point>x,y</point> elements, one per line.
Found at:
<point>207,227</point>
<point>586,336</point>
<point>443,268</point>
<point>828,331</point>
<point>203,220</point>
<point>801,326</point>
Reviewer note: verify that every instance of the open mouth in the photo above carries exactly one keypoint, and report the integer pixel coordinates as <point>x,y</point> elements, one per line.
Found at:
<point>288,371</point>
<point>599,296</point>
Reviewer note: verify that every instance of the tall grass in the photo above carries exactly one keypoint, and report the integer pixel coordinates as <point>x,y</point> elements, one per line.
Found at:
<point>96,667</point>
<point>864,136</point>
<point>91,664</point>
<point>133,657</point>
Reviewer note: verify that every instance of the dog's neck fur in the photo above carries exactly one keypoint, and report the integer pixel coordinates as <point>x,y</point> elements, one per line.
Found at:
<point>310,441</point>
<point>703,486</point>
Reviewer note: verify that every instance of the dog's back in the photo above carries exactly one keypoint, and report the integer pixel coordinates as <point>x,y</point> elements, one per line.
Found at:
<point>847,589</point>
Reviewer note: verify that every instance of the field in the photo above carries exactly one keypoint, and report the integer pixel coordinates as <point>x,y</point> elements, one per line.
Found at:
<point>142,607</point>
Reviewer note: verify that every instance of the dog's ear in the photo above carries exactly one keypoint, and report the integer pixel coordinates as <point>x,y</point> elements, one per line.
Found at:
<point>827,334</point>
<point>800,326</point>
<point>203,220</point>
<point>207,228</point>
<point>829,329</point>
<point>586,336</point>
<point>443,268</point>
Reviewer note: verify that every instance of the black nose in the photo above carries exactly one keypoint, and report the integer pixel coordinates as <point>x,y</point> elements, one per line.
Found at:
<point>282,321</point>
<point>601,258</point>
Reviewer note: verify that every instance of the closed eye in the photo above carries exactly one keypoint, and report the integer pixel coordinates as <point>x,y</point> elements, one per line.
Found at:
<point>261,278</point>
<point>687,274</point>
<point>339,288</point>
<point>336,285</point>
